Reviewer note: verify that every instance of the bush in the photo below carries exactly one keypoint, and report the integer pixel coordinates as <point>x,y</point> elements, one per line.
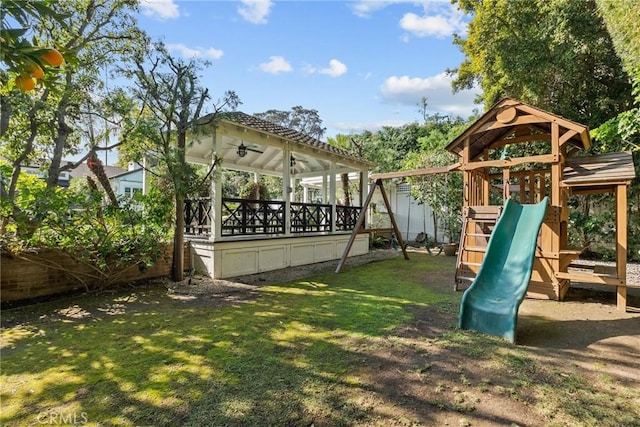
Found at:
<point>76,221</point>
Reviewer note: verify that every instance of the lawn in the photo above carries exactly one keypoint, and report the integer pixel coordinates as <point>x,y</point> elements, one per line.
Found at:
<point>374,345</point>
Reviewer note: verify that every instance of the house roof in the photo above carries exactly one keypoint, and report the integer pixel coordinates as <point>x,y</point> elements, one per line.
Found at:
<point>126,173</point>
<point>512,119</point>
<point>266,143</point>
<point>82,170</point>
<point>79,171</point>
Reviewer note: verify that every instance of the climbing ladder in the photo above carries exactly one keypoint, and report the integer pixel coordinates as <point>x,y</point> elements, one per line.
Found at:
<point>478,223</point>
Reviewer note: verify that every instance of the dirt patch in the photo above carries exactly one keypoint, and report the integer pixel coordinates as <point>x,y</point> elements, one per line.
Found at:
<point>299,272</point>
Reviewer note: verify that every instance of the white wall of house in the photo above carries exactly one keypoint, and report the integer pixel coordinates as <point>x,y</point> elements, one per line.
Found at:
<point>127,184</point>
<point>63,179</point>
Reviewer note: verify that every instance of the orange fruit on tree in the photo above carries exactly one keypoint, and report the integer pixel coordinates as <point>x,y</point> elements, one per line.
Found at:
<point>25,83</point>
<point>36,71</point>
<point>53,58</point>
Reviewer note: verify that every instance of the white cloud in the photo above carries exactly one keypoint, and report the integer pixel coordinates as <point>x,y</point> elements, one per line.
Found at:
<point>255,11</point>
<point>364,8</point>
<point>335,69</point>
<point>423,26</point>
<point>213,53</point>
<point>409,91</point>
<point>160,9</point>
<point>439,18</point>
<point>276,65</point>
<point>443,23</point>
<point>195,52</point>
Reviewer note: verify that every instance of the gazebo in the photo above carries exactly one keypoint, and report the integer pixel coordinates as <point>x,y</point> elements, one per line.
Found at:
<point>232,236</point>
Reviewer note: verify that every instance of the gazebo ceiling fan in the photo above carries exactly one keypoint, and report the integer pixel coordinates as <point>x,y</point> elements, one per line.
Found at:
<point>297,164</point>
<point>242,149</point>
<point>296,159</point>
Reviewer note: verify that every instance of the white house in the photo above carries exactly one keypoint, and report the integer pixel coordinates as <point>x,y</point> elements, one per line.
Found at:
<point>127,183</point>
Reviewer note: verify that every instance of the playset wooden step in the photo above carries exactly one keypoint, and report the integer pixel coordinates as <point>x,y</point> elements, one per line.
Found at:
<point>478,223</point>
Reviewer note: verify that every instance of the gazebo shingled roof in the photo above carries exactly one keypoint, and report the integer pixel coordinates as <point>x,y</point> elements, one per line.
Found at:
<point>267,143</point>
<point>256,123</point>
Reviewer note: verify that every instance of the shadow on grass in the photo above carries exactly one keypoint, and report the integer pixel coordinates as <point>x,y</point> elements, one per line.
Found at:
<point>145,358</point>
<point>375,345</point>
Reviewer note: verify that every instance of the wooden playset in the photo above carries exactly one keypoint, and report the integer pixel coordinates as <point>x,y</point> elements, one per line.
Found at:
<point>556,173</point>
<point>491,175</point>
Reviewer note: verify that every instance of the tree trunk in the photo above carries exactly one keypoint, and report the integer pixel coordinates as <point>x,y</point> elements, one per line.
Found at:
<point>5,114</point>
<point>178,234</point>
<point>17,167</point>
<point>95,166</point>
<point>345,189</point>
<point>178,241</point>
<point>61,130</point>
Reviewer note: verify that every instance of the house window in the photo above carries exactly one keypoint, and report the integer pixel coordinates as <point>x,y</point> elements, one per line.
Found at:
<point>129,192</point>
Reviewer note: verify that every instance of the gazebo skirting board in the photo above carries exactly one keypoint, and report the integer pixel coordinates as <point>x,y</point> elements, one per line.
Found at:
<point>256,254</point>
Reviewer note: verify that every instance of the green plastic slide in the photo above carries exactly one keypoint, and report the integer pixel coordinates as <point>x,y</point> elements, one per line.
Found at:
<point>490,305</point>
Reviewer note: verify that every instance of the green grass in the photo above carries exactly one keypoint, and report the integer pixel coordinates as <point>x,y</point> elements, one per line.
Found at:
<point>282,359</point>
<point>300,353</point>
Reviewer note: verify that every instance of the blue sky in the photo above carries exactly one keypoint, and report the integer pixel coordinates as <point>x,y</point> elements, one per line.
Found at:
<point>361,64</point>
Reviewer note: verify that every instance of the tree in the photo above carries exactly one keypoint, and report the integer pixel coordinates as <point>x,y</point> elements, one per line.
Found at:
<point>299,118</point>
<point>442,192</point>
<point>621,18</point>
<point>27,62</point>
<point>557,55</point>
<point>172,100</point>
<point>47,122</point>
<point>388,147</point>
<point>345,143</point>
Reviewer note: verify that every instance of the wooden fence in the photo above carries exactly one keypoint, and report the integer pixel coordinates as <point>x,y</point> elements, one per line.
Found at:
<point>51,272</point>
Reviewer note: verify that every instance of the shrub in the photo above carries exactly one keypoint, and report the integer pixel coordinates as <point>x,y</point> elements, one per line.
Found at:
<point>76,221</point>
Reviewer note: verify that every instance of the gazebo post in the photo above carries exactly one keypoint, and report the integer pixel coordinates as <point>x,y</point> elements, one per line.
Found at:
<point>286,190</point>
<point>216,198</point>
<point>325,197</point>
<point>332,195</point>
<point>363,188</point>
